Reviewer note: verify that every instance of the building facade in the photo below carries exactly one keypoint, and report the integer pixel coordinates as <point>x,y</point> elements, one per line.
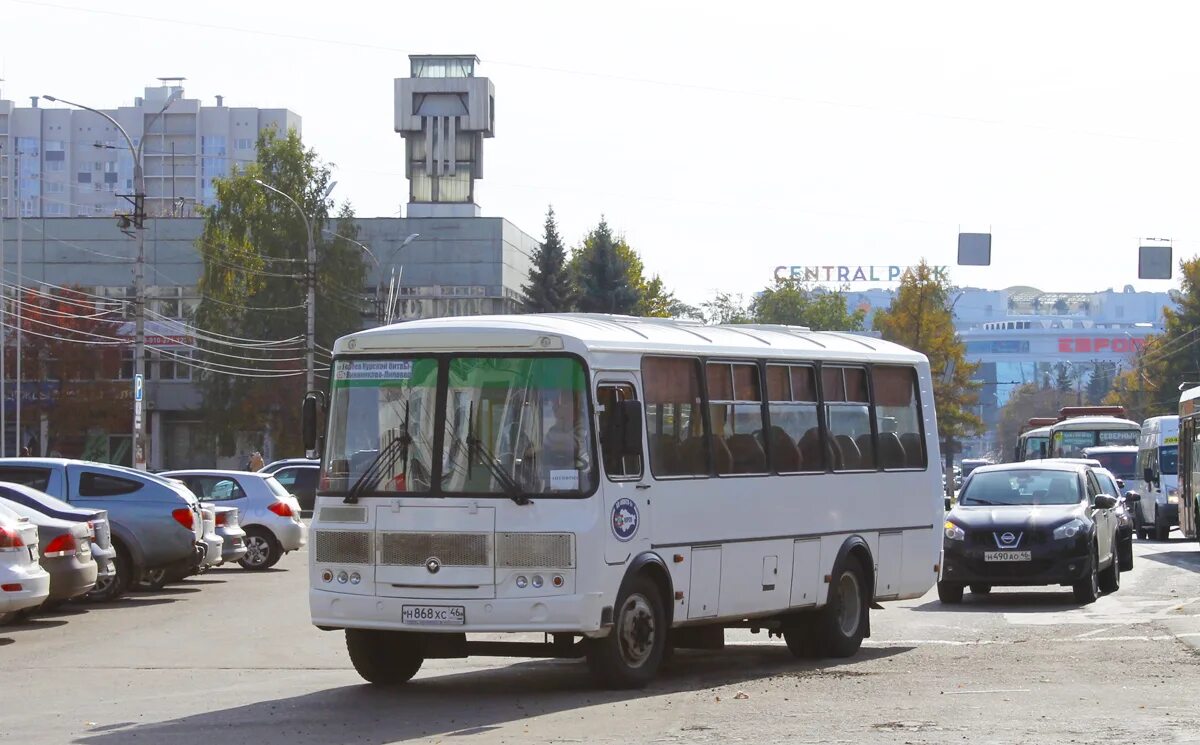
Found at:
<point>61,161</point>
<point>1022,335</point>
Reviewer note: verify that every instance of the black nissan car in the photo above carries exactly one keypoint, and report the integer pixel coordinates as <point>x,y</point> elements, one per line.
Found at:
<point>1031,523</point>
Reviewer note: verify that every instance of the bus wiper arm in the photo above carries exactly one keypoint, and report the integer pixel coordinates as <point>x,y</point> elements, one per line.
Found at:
<point>510,487</point>
<point>375,468</point>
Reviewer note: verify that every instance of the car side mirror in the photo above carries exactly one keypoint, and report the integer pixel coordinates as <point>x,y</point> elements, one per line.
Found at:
<point>1120,483</point>
<point>1105,501</point>
<point>1132,496</point>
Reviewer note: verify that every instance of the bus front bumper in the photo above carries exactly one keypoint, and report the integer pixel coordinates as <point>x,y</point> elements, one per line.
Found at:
<point>556,614</point>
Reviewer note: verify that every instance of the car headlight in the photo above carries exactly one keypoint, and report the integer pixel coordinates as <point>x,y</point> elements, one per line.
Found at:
<point>953,532</point>
<point>1069,530</point>
<point>1172,496</point>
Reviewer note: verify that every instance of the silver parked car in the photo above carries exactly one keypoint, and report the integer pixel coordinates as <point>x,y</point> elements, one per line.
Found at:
<point>101,532</point>
<point>66,553</point>
<point>155,522</point>
<point>230,529</point>
<point>269,514</point>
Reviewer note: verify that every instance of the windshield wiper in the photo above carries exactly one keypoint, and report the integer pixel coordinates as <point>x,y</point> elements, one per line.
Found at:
<point>511,489</point>
<point>376,468</point>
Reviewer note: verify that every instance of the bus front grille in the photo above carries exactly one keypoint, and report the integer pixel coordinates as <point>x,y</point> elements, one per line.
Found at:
<point>450,549</point>
<point>343,546</point>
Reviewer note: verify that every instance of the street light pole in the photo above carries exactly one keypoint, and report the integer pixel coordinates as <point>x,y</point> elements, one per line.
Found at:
<point>310,276</point>
<point>140,450</point>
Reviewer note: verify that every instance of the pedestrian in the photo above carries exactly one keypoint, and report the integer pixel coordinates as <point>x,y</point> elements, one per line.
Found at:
<point>256,461</point>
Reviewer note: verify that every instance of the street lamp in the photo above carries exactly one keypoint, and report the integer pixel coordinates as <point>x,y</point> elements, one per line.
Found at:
<point>139,281</point>
<point>310,275</point>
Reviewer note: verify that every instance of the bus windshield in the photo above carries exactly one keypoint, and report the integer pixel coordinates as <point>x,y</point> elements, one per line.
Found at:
<point>1033,447</point>
<point>1069,443</point>
<point>507,426</point>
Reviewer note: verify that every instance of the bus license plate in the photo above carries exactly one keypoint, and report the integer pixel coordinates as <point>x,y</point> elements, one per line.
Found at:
<point>1007,555</point>
<point>433,615</point>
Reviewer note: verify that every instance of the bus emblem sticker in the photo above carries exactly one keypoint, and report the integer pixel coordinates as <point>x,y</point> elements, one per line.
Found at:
<point>624,519</point>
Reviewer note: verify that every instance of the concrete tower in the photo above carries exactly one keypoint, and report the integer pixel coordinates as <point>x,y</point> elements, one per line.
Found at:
<point>443,112</point>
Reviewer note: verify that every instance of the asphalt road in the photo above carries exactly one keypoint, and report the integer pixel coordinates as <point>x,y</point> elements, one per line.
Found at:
<point>230,657</point>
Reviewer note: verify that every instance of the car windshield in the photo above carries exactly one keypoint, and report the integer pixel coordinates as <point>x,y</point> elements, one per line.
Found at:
<point>501,426</point>
<point>1168,460</point>
<point>1021,487</point>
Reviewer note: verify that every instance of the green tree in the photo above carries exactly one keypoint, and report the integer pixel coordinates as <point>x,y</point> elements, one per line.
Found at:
<point>920,319</point>
<point>609,278</point>
<point>1151,387</point>
<point>1100,382</point>
<point>1027,401</point>
<point>793,303</point>
<point>1063,378</point>
<point>726,307</point>
<point>549,289</point>
<point>253,307</point>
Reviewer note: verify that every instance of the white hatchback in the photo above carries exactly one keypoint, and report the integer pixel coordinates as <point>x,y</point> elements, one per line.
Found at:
<point>269,514</point>
<point>23,581</point>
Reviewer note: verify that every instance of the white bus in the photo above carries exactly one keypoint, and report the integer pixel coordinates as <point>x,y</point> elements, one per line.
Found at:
<point>1085,427</point>
<point>624,486</point>
<point>1157,468</point>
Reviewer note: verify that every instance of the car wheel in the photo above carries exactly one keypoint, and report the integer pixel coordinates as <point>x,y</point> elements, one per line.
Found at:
<point>979,588</point>
<point>154,579</point>
<point>262,550</point>
<point>110,588</point>
<point>1110,579</point>
<point>631,654</point>
<point>385,657</point>
<point>1125,553</point>
<point>1088,588</point>
<point>839,627</point>
<point>950,592</point>
<point>1142,534</point>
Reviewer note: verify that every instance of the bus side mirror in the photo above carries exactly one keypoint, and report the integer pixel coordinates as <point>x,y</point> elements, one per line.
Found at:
<point>310,414</point>
<point>1147,475</point>
<point>627,427</point>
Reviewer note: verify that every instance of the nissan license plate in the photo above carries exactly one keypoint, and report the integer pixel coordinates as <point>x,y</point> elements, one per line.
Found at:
<point>1007,555</point>
<point>433,615</point>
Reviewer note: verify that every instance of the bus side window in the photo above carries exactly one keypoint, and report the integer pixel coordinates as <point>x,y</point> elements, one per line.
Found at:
<point>735,412</point>
<point>899,415</point>
<point>671,387</point>
<point>795,435</point>
<point>618,467</point>
<point>847,412</point>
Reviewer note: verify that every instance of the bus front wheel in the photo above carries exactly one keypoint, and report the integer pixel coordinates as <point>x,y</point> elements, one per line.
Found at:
<point>384,657</point>
<point>633,651</point>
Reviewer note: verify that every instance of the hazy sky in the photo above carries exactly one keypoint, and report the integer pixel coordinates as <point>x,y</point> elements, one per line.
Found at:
<point>723,139</point>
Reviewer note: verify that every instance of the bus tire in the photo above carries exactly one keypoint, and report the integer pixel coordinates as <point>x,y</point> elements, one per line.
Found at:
<point>384,658</point>
<point>950,592</point>
<point>839,627</point>
<point>633,651</point>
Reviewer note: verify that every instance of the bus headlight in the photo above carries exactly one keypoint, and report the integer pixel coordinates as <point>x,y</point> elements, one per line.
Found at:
<point>953,532</point>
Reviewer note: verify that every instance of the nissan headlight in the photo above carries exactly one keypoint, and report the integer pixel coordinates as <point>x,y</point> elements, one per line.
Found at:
<point>1069,530</point>
<point>953,532</point>
<point>1172,496</point>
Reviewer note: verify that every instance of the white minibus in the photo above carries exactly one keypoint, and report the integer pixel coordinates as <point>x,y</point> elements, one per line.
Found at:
<point>623,486</point>
<point>1082,427</point>
<point>1157,470</point>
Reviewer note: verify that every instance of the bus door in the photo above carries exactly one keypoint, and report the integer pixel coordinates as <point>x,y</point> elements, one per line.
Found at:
<point>1189,473</point>
<point>620,418</point>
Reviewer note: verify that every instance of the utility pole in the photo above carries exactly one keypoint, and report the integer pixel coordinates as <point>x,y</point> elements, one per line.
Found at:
<point>138,219</point>
<point>20,278</point>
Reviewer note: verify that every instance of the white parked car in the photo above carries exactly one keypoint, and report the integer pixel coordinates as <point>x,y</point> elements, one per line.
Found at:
<point>269,514</point>
<point>23,581</point>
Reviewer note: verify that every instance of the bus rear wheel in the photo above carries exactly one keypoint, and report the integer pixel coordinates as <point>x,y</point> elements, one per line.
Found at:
<point>384,658</point>
<point>633,651</point>
<point>838,628</point>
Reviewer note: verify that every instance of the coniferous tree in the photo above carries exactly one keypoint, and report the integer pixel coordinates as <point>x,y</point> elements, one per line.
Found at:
<point>549,288</point>
<point>603,274</point>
